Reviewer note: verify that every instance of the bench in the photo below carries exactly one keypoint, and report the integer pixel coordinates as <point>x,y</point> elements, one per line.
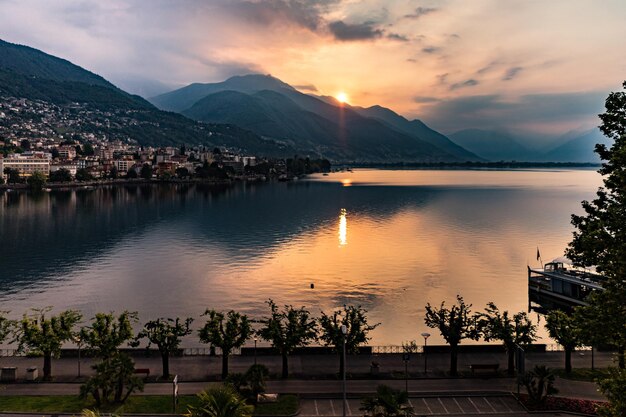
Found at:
<point>143,371</point>
<point>484,367</point>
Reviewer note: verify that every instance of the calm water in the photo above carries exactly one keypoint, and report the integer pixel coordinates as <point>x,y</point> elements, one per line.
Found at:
<point>391,241</point>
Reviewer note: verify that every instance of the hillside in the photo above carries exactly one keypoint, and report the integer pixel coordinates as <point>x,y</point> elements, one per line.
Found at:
<point>62,87</point>
<point>579,148</point>
<point>494,145</point>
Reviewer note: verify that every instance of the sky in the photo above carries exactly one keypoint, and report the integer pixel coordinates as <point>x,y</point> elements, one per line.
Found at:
<point>537,66</point>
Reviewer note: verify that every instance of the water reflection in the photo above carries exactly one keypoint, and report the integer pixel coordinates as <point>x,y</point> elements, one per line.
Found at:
<point>343,228</point>
<point>176,250</point>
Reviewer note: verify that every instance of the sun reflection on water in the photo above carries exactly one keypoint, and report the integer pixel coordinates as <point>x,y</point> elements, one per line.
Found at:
<point>343,228</point>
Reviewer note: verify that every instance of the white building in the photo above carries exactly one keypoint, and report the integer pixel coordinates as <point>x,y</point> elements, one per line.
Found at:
<point>25,165</point>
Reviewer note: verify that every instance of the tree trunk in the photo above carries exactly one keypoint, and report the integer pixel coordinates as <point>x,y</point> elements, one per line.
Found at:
<point>568,360</point>
<point>511,362</point>
<point>224,365</point>
<point>165,359</point>
<point>285,366</point>
<point>47,366</point>
<point>621,350</point>
<point>454,354</point>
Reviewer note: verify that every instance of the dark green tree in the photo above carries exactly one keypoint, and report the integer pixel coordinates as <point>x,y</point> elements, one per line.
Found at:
<point>387,402</point>
<point>512,331</point>
<point>600,233</point>
<point>13,176</point>
<point>455,324</point>
<point>114,381</point>
<point>226,332</point>
<point>614,388</point>
<point>131,174</point>
<point>88,149</point>
<point>357,330</point>
<point>288,329</point>
<point>113,173</point>
<point>82,174</point>
<point>7,326</point>
<point>146,171</point>
<point>166,334</point>
<point>44,335</point>
<point>563,328</point>
<point>36,181</point>
<point>61,175</point>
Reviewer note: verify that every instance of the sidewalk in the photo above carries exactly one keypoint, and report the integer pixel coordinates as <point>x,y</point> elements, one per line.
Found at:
<point>315,374</point>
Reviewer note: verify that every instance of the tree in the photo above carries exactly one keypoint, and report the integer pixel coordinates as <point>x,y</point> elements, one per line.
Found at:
<point>45,335</point>
<point>220,401</point>
<point>454,324</point>
<point>6,326</point>
<point>614,388</point>
<point>226,332</point>
<point>564,329</point>
<point>131,173</point>
<point>36,181</point>
<point>387,402</point>
<point>146,171</point>
<point>600,236</point>
<point>13,176</point>
<point>357,330</point>
<point>61,175</point>
<point>82,174</point>
<point>287,330</point>
<point>114,380</point>
<point>88,149</point>
<point>539,384</point>
<point>113,172</point>
<point>512,331</point>
<point>166,334</point>
<point>182,172</point>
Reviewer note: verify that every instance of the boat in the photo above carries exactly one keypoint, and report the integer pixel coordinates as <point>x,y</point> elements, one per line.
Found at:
<point>559,286</point>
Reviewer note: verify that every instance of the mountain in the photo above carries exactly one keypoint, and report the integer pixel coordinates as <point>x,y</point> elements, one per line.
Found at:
<point>494,145</point>
<point>418,129</point>
<point>183,98</point>
<point>274,109</point>
<point>106,110</point>
<point>579,148</point>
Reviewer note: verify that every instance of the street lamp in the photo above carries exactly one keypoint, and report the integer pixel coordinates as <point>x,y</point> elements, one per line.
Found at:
<point>425,335</point>
<point>255,339</point>
<point>344,331</point>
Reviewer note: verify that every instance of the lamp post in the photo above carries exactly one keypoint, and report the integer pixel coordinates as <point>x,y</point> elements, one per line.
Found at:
<point>255,339</point>
<point>425,335</point>
<point>344,331</point>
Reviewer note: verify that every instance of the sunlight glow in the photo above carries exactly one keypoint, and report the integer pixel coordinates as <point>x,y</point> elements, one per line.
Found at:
<point>343,228</point>
<point>342,97</point>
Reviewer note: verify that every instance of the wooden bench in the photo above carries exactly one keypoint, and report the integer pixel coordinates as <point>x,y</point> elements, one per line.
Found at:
<point>484,367</point>
<point>143,371</point>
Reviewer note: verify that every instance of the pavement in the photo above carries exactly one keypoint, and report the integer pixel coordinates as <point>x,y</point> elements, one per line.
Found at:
<point>314,378</point>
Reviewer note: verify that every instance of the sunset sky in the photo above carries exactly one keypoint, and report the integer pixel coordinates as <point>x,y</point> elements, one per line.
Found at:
<point>543,66</point>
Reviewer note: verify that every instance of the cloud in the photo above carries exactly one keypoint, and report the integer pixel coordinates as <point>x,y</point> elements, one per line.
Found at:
<point>426,99</point>
<point>420,11</point>
<point>431,49</point>
<point>398,37</point>
<point>511,73</point>
<point>467,83</point>
<point>494,111</point>
<point>306,87</point>
<point>354,32</point>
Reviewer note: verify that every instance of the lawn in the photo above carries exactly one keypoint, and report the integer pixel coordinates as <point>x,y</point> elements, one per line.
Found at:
<point>582,374</point>
<point>286,405</point>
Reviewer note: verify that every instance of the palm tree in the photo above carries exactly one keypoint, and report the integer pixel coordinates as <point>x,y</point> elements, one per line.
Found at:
<point>387,402</point>
<point>220,401</point>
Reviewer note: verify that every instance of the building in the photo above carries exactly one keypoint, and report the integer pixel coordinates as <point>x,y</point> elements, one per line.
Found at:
<point>123,165</point>
<point>25,165</point>
<point>71,167</point>
<point>67,152</point>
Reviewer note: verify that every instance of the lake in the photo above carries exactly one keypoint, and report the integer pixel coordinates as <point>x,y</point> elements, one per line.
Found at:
<point>391,241</point>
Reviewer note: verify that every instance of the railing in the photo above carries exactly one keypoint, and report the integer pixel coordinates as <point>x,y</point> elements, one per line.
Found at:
<point>553,347</point>
<point>376,350</point>
<point>207,351</point>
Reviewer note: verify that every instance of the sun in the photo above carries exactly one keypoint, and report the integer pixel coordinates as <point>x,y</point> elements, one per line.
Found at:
<point>342,97</point>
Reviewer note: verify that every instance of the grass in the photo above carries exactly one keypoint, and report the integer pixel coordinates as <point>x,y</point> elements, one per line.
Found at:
<point>286,405</point>
<point>582,374</point>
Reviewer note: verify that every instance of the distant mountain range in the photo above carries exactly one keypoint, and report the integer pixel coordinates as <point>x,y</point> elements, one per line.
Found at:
<point>274,109</point>
<point>500,145</point>
<point>263,115</point>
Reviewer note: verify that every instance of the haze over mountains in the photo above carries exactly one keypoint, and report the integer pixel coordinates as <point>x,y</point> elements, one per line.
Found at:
<point>264,115</point>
